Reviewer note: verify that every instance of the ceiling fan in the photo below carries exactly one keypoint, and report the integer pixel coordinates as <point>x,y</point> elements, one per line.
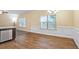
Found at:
<point>3,11</point>
<point>52,11</point>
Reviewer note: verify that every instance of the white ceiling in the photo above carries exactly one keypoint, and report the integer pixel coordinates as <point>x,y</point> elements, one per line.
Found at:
<point>18,11</point>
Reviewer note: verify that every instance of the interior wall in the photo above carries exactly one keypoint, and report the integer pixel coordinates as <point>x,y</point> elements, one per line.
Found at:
<point>63,18</point>
<point>76,18</point>
<point>34,16</point>
<point>28,23</point>
<point>33,19</point>
<point>5,20</point>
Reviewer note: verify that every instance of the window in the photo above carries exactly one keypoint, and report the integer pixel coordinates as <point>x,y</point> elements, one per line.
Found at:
<point>48,22</point>
<point>22,22</point>
<point>51,22</point>
<point>43,22</point>
<point>14,18</point>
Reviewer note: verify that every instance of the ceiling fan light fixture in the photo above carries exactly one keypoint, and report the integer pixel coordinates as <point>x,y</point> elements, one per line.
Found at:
<point>49,11</point>
<point>52,11</point>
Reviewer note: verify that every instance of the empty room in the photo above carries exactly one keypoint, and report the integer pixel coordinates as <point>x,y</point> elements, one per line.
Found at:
<point>39,29</point>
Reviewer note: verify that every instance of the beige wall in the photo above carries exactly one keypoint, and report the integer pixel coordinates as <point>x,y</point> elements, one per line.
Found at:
<point>63,18</point>
<point>5,20</point>
<point>33,19</point>
<point>76,18</point>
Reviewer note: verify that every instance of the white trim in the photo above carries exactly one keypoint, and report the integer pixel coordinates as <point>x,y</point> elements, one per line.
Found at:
<point>20,29</point>
<point>65,27</point>
<point>76,36</point>
<point>77,29</point>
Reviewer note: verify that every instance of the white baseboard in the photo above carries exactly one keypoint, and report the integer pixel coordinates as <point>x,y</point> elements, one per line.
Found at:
<point>20,29</point>
<point>65,26</point>
<point>77,29</point>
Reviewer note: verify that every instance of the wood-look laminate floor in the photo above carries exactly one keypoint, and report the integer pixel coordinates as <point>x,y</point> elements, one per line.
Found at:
<point>26,40</point>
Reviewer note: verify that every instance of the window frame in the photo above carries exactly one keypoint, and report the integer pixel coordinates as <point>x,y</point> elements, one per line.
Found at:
<point>24,21</point>
<point>49,22</point>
